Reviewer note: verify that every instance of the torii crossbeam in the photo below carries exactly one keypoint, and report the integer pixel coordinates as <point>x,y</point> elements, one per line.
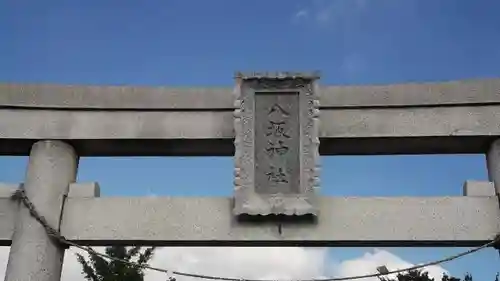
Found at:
<point>55,124</point>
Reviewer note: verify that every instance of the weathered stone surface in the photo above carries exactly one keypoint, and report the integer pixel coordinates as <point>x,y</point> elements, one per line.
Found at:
<point>172,221</point>
<point>342,221</point>
<point>33,254</point>
<point>478,188</point>
<point>430,221</point>
<point>493,164</point>
<point>454,129</point>
<point>9,208</point>
<point>276,142</point>
<point>8,213</point>
<point>84,190</point>
<point>484,91</point>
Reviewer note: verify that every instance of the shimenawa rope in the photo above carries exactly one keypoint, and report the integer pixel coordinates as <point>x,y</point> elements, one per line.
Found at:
<point>20,195</point>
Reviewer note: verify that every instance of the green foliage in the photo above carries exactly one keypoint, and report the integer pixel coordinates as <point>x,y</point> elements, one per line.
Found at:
<point>100,269</point>
<point>417,275</point>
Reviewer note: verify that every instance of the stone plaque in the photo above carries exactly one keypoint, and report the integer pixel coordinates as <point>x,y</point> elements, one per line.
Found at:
<point>276,156</point>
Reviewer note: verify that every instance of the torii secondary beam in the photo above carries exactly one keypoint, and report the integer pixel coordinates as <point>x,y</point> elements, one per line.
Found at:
<point>470,220</point>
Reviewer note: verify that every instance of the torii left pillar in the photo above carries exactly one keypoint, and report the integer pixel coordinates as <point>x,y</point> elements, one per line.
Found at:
<point>33,255</point>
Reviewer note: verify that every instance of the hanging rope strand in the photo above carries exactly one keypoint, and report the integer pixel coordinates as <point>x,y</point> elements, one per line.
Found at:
<point>20,195</point>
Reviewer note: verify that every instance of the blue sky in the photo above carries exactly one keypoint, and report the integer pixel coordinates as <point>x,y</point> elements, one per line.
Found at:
<point>202,43</point>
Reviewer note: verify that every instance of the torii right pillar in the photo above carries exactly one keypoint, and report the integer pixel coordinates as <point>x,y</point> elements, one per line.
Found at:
<point>493,165</point>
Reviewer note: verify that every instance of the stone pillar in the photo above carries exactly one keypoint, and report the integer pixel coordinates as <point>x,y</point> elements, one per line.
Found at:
<point>493,164</point>
<point>33,255</point>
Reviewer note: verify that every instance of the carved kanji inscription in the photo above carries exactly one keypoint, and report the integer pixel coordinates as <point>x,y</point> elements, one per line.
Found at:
<point>277,143</point>
<point>276,147</point>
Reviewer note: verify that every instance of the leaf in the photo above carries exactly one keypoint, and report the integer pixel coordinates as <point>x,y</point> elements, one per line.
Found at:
<point>87,270</point>
<point>100,269</point>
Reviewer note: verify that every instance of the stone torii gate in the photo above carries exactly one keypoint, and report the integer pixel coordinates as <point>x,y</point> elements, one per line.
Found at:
<point>270,123</point>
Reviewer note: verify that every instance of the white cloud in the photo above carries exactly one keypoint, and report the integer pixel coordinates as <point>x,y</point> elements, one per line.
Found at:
<point>289,263</point>
<point>301,14</point>
<point>323,12</point>
<point>370,261</point>
<point>271,263</point>
<point>286,263</point>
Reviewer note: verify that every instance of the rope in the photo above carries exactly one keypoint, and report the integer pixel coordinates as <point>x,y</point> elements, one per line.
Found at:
<point>20,195</point>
